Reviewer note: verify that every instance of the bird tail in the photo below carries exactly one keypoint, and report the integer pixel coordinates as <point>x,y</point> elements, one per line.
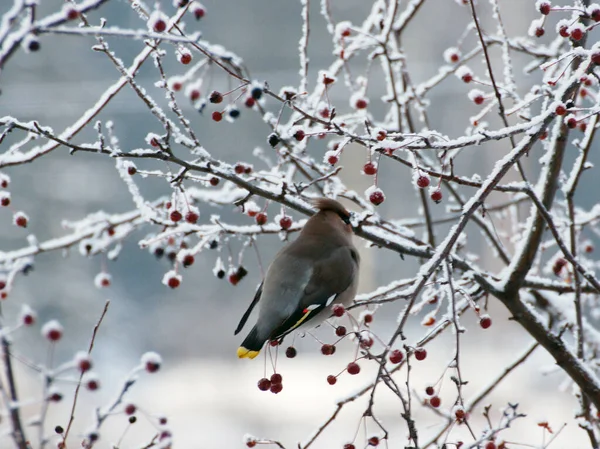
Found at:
<point>251,345</point>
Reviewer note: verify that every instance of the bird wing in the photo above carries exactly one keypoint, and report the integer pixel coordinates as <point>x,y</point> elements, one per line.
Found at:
<point>249,310</point>
<point>330,276</point>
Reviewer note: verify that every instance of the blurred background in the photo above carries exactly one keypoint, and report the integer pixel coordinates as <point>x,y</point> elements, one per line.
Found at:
<point>209,396</point>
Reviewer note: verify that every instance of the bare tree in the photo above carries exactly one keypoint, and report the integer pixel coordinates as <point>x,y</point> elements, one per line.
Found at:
<point>536,133</point>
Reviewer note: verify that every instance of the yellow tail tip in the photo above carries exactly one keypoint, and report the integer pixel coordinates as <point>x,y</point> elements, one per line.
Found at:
<point>243,353</point>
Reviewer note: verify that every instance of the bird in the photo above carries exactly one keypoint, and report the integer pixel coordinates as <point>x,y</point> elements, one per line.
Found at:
<point>305,279</point>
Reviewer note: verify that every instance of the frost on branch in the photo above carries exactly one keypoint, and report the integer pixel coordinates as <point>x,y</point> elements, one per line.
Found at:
<point>463,142</point>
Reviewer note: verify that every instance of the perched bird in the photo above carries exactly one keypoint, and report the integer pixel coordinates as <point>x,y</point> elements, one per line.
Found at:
<point>317,270</point>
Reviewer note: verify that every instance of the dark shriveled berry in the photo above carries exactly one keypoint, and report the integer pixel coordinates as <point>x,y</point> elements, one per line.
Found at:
<point>273,139</point>
<point>276,378</point>
<point>264,384</point>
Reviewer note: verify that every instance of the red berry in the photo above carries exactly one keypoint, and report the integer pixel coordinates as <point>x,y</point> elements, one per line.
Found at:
<point>173,282</point>
<point>346,32</point>
<point>250,443</point>
<point>572,122</point>
<point>276,388</point>
<point>264,384</point>
<point>249,102</point>
<point>377,197</point>
<point>558,265</point>
<point>299,135</point>
<point>369,168</point>
<point>191,217</point>
<point>21,221</point>
<point>234,279</point>
<point>576,34</point>
<point>368,318</point>
<point>194,94</point>
<point>105,281</point>
<point>92,385</point>
<point>160,26</point>
<point>373,441</point>
<point>490,445</point>
<point>353,368</point>
<point>423,181</point>
<point>467,77</point>
<point>154,142</point>
<point>291,352</point>
<point>396,356</point>
<point>560,110</point>
<point>349,446</point>
<point>544,8</point>
<point>176,86</point>
<point>55,397</point>
<point>215,97</point>
<point>435,401</point>
<point>72,14</point>
<point>188,260</point>
<point>381,135</point>
<point>331,379</point>
<point>338,310</point>
<point>285,222</point>
<point>130,409</point>
<point>217,116</point>
<point>324,112</point>
<point>28,319</point>
<point>199,12</point>
<point>176,216</point>
<point>327,80</point>
<point>420,353</point>
<point>131,170</point>
<point>366,343</point>
<point>429,391</point>
<point>214,181</point>
<point>460,414</point>
<point>185,58</point>
<point>436,195</point>
<point>485,322</point>
<point>340,331</point>
<point>53,334</point>
<point>361,103</point>
<point>539,32</point>
<point>239,169</point>
<point>564,31</point>
<point>595,15</point>
<point>478,99</point>
<point>332,159</point>
<point>261,218</point>
<point>276,378</point>
<point>5,200</point>
<point>84,365</point>
<point>327,349</point>
<point>596,58</point>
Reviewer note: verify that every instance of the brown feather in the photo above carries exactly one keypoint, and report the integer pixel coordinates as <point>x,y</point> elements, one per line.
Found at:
<point>324,204</point>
